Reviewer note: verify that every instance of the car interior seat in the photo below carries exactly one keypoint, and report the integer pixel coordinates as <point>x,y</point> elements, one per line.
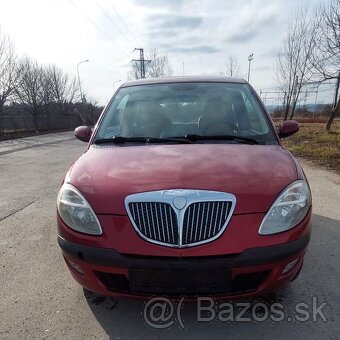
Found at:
<point>217,119</point>
<point>143,119</point>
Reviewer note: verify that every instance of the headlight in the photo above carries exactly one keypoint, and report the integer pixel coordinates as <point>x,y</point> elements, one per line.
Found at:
<point>76,212</point>
<point>288,210</point>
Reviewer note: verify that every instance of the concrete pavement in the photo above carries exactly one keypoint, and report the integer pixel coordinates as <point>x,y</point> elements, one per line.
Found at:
<point>40,300</point>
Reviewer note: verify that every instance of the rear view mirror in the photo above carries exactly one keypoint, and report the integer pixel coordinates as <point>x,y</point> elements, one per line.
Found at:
<point>83,133</point>
<point>288,128</point>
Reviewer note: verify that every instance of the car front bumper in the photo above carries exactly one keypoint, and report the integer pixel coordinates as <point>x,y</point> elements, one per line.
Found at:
<point>253,272</point>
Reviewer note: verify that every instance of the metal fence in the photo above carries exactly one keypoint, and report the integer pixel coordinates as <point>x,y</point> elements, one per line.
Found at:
<point>313,97</point>
<point>16,121</point>
<point>16,125</point>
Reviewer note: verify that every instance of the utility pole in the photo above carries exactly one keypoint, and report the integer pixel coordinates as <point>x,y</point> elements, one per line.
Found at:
<point>316,100</point>
<point>142,61</point>
<point>250,58</point>
<point>82,97</point>
<point>80,90</point>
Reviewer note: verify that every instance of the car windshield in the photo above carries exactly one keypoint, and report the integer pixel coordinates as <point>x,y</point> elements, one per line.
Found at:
<point>180,109</point>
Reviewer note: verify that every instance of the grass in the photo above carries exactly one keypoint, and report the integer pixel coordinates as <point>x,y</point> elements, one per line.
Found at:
<point>313,143</point>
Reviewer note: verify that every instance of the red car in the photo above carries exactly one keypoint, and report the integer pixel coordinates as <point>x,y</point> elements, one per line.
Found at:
<point>184,189</point>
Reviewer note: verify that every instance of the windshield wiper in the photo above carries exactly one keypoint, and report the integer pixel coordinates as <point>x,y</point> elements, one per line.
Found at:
<point>187,139</point>
<point>120,140</point>
<point>194,138</point>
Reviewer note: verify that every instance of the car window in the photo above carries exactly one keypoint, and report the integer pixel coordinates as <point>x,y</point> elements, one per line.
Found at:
<point>179,109</point>
<point>257,121</point>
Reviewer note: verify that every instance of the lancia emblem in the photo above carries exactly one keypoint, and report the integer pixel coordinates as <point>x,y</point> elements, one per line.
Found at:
<point>179,202</point>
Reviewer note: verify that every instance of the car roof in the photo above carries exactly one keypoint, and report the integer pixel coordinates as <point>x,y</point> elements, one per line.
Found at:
<point>187,79</point>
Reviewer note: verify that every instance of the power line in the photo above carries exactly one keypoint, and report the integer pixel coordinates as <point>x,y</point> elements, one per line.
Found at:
<point>113,23</point>
<point>124,23</point>
<point>98,28</point>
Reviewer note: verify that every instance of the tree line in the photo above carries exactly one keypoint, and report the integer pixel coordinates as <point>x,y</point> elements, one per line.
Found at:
<point>310,55</point>
<point>33,87</point>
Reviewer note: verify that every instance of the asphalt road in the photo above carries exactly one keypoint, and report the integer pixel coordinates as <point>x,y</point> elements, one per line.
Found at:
<point>39,299</point>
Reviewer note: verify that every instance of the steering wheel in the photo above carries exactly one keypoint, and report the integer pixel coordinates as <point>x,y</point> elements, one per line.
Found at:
<point>150,130</point>
<point>216,128</point>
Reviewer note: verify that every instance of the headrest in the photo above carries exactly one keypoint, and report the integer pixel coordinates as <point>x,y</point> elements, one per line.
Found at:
<point>216,108</point>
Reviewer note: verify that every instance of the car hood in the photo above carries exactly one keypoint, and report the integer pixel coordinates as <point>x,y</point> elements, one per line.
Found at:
<point>255,174</point>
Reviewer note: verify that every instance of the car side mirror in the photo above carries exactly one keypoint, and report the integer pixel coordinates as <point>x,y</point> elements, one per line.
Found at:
<point>83,133</point>
<point>288,128</point>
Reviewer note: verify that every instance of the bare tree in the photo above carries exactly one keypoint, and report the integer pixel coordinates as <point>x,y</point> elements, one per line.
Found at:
<point>326,59</point>
<point>135,71</point>
<point>231,68</point>
<point>7,68</point>
<point>158,66</point>
<point>29,91</point>
<point>60,88</point>
<point>294,63</point>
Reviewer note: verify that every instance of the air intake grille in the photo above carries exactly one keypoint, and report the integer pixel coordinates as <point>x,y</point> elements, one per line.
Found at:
<point>180,217</point>
<point>204,220</point>
<point>156,221</point>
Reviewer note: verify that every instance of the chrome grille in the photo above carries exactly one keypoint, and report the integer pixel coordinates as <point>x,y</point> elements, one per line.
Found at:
<point>204,220</point>
<point>156,221</point>
<point>180,217</point>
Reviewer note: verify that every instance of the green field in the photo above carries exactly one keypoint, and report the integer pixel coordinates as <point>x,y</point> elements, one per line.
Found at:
<point>313,143</point>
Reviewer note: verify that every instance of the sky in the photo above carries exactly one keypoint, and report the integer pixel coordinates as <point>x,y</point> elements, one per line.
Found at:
<point>202,34</point>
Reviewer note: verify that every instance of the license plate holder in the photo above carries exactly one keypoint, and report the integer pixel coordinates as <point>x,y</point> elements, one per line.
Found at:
<point>179,281</point>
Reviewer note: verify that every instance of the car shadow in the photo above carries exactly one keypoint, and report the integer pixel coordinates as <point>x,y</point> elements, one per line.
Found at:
<point>317,284</point>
